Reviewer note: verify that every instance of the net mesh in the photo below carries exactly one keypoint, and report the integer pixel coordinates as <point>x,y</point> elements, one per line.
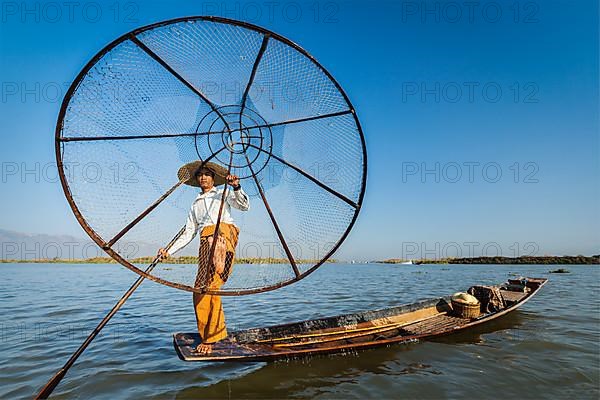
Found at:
<point>233,94</point>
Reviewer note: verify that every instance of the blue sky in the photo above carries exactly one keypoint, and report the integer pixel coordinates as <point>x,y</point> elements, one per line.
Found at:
<point>503,87</point>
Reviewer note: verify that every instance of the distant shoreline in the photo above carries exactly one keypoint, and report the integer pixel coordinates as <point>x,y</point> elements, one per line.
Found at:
<point>543,260</point>
<point>148,260</point>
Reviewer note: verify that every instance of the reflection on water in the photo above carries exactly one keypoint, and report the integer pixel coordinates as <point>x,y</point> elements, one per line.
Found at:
<point>550,345</point>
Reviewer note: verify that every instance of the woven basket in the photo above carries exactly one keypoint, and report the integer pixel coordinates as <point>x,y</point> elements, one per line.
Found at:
<point>464,310</point>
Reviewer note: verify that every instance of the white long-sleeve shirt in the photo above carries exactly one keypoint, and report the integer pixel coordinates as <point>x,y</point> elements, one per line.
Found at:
<point>205,211</point>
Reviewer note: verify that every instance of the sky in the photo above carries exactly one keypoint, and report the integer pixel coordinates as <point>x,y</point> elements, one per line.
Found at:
<point>481,119</point>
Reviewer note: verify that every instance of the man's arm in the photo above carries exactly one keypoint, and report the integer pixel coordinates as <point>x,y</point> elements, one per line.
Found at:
<point>237,198</point>
<point>191,228</point>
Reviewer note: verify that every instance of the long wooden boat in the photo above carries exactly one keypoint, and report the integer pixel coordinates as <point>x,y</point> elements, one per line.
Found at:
<point>402,324</point>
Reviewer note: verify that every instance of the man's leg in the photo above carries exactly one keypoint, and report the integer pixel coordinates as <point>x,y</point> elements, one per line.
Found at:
<point>202,302</point>
<point>209,308</point>
<point>202,310</point>
<point>210,318</point>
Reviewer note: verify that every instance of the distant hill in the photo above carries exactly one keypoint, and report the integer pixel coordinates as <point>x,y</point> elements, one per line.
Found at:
<point>23,246</point>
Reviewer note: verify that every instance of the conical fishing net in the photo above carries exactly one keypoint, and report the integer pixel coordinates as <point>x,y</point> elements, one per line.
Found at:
<point>217,90</point>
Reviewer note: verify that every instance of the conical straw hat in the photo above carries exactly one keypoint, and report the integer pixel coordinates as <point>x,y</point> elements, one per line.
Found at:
<point>188,172</point>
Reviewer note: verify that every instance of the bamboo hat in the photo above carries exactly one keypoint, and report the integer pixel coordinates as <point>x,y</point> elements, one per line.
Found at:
<point>465,298</point>
<point>188,172</point>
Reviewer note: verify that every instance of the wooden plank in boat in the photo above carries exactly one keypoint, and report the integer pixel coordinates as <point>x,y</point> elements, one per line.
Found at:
<point>225,350</point>
<point>513,297</point>
<point>440,323</point>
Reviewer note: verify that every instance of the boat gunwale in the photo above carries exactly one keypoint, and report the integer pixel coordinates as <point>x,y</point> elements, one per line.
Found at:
<point>359,317</point>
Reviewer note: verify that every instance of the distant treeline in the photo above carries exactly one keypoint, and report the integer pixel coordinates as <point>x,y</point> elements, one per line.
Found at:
<point>170,260</point>
<point>194,260</point>
<point>506,260</point>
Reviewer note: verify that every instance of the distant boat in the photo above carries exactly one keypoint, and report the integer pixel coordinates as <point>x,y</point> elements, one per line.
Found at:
<point>409,262</point>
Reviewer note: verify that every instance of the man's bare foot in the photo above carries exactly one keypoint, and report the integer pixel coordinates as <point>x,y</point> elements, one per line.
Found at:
<point>204,348</point>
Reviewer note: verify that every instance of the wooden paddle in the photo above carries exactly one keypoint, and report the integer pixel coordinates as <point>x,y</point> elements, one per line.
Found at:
<point>55,380</point>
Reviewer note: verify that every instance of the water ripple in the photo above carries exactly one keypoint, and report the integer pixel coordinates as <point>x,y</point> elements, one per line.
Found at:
<point>550,346</point>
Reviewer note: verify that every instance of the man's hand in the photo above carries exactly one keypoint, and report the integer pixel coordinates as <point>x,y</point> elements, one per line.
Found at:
<point>162,253</point>
<point>233,180</point>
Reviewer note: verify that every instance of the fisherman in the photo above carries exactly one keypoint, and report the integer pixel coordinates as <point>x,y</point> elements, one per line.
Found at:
<point>203,218</point>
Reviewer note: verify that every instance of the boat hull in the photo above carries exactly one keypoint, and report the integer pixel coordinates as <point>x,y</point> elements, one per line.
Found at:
<point>403,324</point>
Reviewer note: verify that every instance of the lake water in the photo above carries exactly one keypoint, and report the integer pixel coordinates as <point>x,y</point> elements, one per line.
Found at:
<point>550,348</point>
